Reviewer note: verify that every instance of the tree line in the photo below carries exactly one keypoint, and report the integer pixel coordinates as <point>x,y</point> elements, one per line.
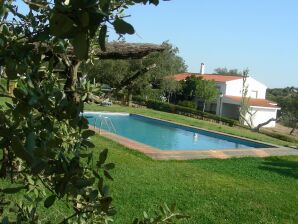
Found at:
<point>287,99</point>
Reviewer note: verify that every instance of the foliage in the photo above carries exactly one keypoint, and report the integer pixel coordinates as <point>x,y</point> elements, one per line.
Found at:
<point>287,98</point>
<point>276,93</point>
<point>280,136</point>
<point>45,142</point>
<point>197,88</point>
<point>206,91</point>
<point>114,72</point>
<point>187,103</point>
<point>225,71</point>
<point>189,87</point>
<point>165,215</point>
<point>169,87</point>
<point>246,115</point>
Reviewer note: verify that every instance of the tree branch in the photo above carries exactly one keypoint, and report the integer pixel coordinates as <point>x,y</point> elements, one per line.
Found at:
<point>257,128</point>
<point>129,80</point>
<point>247,122</point>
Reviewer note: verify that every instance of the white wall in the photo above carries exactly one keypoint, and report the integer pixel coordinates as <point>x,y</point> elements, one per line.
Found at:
<point>263,115</point>
<point>234,88</point>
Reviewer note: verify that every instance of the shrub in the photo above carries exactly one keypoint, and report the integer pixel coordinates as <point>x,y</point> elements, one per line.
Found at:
<point>191,112</point>
<point>186,103</point>
<point>280,136</point>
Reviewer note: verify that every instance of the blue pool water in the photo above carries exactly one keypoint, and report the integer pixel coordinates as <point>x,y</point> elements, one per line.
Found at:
<point>166,135</point>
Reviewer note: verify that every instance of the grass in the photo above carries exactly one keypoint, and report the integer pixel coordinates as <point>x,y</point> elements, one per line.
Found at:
<point>242,190</point>
<point>238,131</point>
<point>246,190</point>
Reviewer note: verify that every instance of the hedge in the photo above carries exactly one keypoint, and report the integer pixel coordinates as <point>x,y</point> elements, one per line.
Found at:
<point>191,112</point>
<point>280,136</point>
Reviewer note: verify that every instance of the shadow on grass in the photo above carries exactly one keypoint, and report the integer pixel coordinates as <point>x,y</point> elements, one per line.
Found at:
<point>281,166</point>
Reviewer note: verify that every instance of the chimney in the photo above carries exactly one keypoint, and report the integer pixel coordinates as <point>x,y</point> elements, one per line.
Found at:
<point>202,70</point>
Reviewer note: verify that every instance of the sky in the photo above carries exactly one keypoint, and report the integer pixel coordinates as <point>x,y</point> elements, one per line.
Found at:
<point>260,35</point>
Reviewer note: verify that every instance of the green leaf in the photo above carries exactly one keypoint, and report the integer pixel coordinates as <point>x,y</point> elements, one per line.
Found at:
<point>30,180</point>
<point>102,157</point>
<point>31,141</point>
<point>49,201</point>
<point>145,215</point>
<point>87,143</point>
<point>12,190</point>
<point>107,175</point>
<point>123,27</point>
<point>81,46</point>
<point>100,184</point>
<point>109,166</point>
<point>88,133</point>
<point>154,2</point>
<point>60,24</point>
<point>105,203</point>
<point>140,1</point>
<point>102,37</point>
<point>11,70</point>
<point>2,10</point>
<point>19,149</point>
<point>104,5</point>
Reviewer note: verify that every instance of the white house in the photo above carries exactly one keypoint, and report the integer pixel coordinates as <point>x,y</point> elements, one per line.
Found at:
<point>228,102</point>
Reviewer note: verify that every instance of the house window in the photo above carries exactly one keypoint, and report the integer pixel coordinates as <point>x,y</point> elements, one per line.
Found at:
<point>254,94</point>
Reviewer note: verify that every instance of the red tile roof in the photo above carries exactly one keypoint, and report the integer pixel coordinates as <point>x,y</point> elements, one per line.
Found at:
<point>254,102</point>
<point>214,77</point>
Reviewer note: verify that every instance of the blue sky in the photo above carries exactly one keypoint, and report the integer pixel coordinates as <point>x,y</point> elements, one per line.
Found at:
<point>261,35</point>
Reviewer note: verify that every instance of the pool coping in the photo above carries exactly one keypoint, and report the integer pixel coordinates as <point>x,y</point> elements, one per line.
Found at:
<point>158,154</point>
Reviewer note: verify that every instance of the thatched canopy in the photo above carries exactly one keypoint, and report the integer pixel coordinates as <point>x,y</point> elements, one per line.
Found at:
<point>118,50</point>
<point>122,50</point>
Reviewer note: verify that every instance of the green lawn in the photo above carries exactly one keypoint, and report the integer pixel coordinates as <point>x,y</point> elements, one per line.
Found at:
<point>242,190</point>
<point>238,131</point>
<point>246,190</point>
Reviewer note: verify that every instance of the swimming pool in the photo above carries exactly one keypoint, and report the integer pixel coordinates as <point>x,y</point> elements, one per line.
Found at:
<point>165,135</point>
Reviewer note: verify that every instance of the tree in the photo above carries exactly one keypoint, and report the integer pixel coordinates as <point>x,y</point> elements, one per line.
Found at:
<point>290,111</point>
<point>167,63</point>
<point>189,87</point>
<point>244,109</point>
<point>246,113</point>
<point>45,142</point>
<point>195,87</point>
<point>206,91</point>
<point>116,72</point>
<point>169,87</point>
<point>287,100</point>
<point>225,71</point>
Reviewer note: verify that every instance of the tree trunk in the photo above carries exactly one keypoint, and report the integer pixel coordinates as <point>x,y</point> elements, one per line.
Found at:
<point>4,164</point>
<point>293,129</point>
<point>71,82</point>
<point>257,128</point>
<point>245,121</point>
<point>169,96</point>
<point>129,98</point>
<point>124,99</point>
<point>204,105</point>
